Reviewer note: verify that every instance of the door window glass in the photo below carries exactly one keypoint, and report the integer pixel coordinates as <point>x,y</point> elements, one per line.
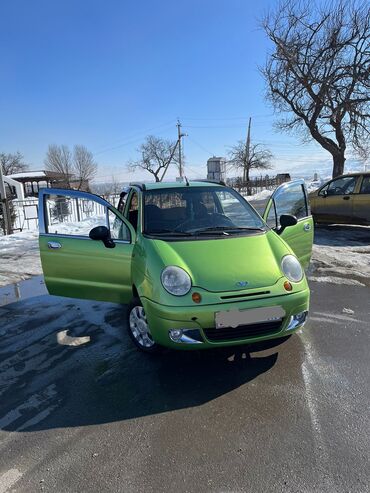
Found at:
<point>292,201</point>
<point>118,229</point>
<point>74,216</point>
<point>271,217</point>
<point>342,186</point>
<point>133,211</point>
<point>365,187</point>
<point>122,201</point>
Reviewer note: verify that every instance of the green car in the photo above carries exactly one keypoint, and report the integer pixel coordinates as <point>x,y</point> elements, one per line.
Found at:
<point>198,266</point>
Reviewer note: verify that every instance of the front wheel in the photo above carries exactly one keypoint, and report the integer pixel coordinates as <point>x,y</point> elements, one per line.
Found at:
<point>138,328</point>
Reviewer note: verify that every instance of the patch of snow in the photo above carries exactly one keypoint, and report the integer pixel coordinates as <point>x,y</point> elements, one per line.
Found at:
<point>348,310</point>
<point>28,174</point>
<point>336,280</point>
<point>263,195</point>
<point>19,257</point>
<point>341,255</point>
<point>81,228</point>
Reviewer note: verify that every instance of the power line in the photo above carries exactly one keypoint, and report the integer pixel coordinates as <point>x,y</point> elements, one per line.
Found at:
<point>201,146</point>
<point>214,126</point>
<point>228,117</point>
<point>141,133</point>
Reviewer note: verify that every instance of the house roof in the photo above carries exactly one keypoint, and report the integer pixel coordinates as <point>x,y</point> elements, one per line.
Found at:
<point>28,174</point>
<point>36,175</point>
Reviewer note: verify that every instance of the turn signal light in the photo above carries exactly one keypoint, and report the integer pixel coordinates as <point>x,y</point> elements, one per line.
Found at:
<point>288,286</point>
<point>196,297</point>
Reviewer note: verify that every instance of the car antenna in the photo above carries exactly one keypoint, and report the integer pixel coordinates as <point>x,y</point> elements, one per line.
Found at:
<point>187,181</point>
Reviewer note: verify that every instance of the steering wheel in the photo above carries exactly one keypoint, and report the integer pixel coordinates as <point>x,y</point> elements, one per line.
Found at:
<point>211,220</point>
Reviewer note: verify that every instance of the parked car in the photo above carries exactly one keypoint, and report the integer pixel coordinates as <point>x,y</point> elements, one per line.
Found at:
<point>343,200</point>
<point>199,267</point>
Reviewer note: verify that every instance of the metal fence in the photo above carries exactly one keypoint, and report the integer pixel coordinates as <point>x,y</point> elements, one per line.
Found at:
<point>23,215</point>
<point>258,184</point>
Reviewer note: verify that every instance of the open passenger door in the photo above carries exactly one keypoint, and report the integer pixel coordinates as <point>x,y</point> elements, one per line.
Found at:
<point>291,198</point>
<point>74,264</point>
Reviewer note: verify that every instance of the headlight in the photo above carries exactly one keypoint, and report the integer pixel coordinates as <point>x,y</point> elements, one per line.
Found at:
<point>292,268</point>
<point>175,280</point>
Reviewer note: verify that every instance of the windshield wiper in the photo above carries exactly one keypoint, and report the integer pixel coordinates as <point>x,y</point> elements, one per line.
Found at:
<point>227,229</point>
<point>166,232</point>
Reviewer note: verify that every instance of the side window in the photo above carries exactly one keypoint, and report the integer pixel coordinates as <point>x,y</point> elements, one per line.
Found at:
<point>122,201</point>
<point>292,201</point>
<point>365,186</point>
<point>342,186</point>
<point>271,217</point>
<point>73,216</point>
<point>118,229</point>
<point>133,210</point>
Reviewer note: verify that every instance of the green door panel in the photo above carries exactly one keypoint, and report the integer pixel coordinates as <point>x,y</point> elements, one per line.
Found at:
<point>292,198</point>
<point>73,264</point>
<point>83,268</point>
<point>300,239</point>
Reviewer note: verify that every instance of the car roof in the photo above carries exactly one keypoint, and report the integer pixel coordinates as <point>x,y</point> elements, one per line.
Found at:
<point>355,173</point>
<point>175,184</point>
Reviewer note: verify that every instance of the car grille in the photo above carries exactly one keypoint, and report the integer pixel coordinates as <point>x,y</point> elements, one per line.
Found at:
<point>243,331</point>
<point>244,295</point>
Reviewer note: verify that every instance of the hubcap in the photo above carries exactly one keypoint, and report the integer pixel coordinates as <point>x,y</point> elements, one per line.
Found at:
<point>139,327</point>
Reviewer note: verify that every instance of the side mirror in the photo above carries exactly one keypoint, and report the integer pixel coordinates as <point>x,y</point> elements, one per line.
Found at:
<point>102,233</point>
<point>287,220</point>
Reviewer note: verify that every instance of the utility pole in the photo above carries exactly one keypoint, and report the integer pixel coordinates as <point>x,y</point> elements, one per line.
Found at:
<point>247,150</point>
<point>178,144</point>
<point>179,137</point>
<point>4,203</point>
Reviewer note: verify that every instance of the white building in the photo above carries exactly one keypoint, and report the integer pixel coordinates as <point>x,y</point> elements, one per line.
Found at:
<point>216,168</point>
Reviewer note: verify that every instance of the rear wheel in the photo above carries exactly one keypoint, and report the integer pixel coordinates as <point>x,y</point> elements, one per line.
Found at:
<point>138,328</point>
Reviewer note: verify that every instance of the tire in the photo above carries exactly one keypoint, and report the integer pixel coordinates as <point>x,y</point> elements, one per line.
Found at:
<point>138,328</point>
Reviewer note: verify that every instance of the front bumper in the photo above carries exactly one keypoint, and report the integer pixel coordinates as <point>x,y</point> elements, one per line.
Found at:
<point>162,319</point>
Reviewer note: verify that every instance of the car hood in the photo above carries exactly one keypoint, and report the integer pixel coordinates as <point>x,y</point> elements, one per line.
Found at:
<point>230,264</point>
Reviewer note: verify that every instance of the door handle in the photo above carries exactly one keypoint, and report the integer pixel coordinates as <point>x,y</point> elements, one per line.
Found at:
<point>346,197</point>
<point>54,245</point>
<point>307,226</point>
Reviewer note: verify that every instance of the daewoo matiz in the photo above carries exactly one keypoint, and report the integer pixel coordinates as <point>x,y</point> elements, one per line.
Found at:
<point>198,266</point>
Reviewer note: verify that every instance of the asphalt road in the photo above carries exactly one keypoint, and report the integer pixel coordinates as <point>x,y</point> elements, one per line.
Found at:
<point>82,410</point>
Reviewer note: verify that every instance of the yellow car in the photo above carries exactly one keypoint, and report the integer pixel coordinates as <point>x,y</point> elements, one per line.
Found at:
<point>343,200</point>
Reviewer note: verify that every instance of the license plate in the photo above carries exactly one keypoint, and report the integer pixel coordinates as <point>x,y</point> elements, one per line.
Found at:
<point>234,318</point>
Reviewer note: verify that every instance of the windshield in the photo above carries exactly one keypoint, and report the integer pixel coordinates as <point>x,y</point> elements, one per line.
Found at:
<point>191,211</point>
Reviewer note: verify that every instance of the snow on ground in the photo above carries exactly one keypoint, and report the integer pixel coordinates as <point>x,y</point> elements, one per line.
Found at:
<point>263,195</point>
<point>341,255</point>
<point>19,257</point>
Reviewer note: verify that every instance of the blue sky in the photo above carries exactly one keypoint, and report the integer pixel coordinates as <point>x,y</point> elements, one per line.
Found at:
<point>107,73</point>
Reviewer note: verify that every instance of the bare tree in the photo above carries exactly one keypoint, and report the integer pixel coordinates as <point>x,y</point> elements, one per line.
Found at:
<point>59,160</point>
<point>106,189</point>
<point>319,71</point>
<point>77,168</point>
<point>84,166</point>
<point>12,163</point>
<point>259,157</point>
<point>156,155</point>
